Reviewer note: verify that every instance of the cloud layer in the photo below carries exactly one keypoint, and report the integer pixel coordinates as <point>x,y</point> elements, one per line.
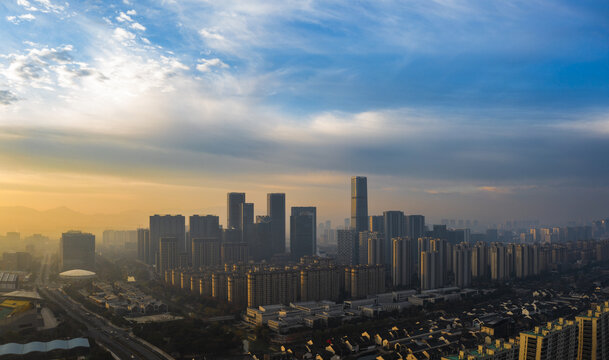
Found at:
<point>439,101</point>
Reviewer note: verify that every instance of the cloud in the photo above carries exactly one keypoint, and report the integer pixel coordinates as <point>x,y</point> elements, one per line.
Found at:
<point>123,17</point>
<point>7,97</point>
<point>207,34</point>
<point>207,65</point>
<point>131,12</point>
<point>18,19</point>
<point>45,6</point>
<point>138,26</point>
<point>123,35</point>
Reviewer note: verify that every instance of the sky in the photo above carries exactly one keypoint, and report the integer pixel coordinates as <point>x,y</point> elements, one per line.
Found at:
<point>489,110</point>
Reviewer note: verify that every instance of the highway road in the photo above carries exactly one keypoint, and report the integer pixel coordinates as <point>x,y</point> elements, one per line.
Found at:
<point>121,342</point>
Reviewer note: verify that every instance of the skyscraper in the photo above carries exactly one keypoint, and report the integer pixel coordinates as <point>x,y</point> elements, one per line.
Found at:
<point>167,226</point>
<point>205,251</point>
<point>303,237</point>
<point>359,203</point>
<point>462,265</point>
<point>401,269</point>
<point>348,247</point>
<point>275,208</point>
<point>202,227</point>
<point>77,251</point>
<point>394,227</point>
<point>376,223</point>
<point>233,209</point>
<point>376,248</point>
<point>246,221</point>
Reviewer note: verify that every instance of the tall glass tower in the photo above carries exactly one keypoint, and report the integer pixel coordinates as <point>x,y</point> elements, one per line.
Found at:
<point>359,203</point>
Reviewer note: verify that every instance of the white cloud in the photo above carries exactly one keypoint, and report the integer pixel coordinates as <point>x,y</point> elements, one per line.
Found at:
<point>131,12</point>
<point>208,34</point>
<point>20,18</point>
<point>122,17</point>
<point>45,6</point>
<point>138,26</point>
<point>207,65</point>
<point>123,35</point>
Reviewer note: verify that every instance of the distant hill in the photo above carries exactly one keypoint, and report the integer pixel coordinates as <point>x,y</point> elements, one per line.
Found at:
<point>55,221</point>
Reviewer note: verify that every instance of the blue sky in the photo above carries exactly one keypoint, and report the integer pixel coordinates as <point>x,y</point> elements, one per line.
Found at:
<point>452,108</point>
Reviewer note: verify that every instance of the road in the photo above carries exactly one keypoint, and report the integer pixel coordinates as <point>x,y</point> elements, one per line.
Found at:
<point>121,342</point>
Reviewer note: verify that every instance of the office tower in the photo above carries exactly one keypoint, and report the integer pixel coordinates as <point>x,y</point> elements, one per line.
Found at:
<point>246,219</point>
<point>401,268</point>
<point>233,209</point>
<point>363,247</point>
<point>359,203</point>
<point>206,251</point>
<point>554,341</point>
<point>143,246</point>
<point>303,236</point>
<point>234,253</point>
<point>498,262</point>
<point>320,283</point>
<point>480,260</point>
<point>364,280</point>
<point>348,247</point>
<point>275,208</point>
<point>376,223</point>
<point>394,227</point>
<point>415,229</point>
<point>462,265</point>
<point>77,251</point>
<point>167,226</point>
<point>376,250</point>
<point>260,243</point>
<point>273,286</point>
<point>168,254</point>
<point>593,333</point>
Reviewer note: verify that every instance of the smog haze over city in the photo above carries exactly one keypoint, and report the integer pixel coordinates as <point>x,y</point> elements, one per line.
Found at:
<point>113,110</point>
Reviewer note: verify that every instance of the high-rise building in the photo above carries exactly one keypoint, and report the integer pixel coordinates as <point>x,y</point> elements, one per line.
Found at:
<point>359,203</point>
<point>202,227</point>
<point>143,246</point>
<point>205,251</point>
<point>401,269</point>
<point>593,333</point>
<point>246,218</point>
<point>554,341</point>
<point>273,286</point>
<point>376,223</point>
<point>394,227</point>
<point>498,262</point>
<point>233,209</point>
<point>77,251</point>
<point>260,239</point>
<point>462,265</point>
<point>303,234</point>
<point>429,273</point>
<point>320,283</point>
<point>348,247</point>
<point>167,226</point>
<point>480,260</point>
<point>168,254</point>
<point>363,247</point>
<point>275,208</point>
<point>364,280</point>
<point>414,229</point>
<point>234,253</point>
<point>376,248</point>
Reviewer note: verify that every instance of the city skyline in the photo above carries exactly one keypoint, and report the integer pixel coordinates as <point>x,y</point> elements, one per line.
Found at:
<point>473,110</point>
